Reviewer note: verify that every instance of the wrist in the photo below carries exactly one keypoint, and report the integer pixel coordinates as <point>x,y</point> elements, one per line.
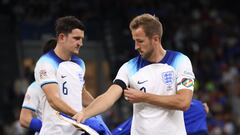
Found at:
<point>145,97</point>
<point>85,114</point>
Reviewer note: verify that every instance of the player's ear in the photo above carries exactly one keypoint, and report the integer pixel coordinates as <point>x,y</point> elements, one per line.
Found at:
<point>61,37</point>
<point>155,38</point>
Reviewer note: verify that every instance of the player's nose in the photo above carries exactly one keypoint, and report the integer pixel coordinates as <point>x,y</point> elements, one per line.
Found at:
<point>137,46</point>
<point>80,44</point>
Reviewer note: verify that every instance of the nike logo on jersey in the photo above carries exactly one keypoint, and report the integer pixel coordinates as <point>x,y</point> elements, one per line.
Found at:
<point>142,82</point>
<point>63,76</point>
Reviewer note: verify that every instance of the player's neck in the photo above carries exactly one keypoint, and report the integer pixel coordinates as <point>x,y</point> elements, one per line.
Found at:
<point>61,53</point>
<point>157,55</point>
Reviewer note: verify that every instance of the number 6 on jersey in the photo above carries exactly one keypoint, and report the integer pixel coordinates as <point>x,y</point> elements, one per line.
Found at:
<point>64,88</point>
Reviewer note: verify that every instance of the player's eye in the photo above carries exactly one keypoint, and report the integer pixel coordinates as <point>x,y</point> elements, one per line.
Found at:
<point>140,41</point>
<point>77,38</point>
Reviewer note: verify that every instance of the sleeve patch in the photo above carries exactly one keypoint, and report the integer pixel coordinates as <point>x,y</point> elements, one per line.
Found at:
<point>28,97</point>
<point>43,74</point>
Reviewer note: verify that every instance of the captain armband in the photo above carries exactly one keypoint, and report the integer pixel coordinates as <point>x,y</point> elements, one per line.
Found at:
<point>120,83</point>
<point>186,83</point>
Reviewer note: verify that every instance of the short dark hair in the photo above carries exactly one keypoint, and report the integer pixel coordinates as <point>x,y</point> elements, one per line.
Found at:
<point>67,24</point>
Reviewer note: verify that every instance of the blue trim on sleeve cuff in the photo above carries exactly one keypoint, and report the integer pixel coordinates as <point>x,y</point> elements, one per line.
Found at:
<point>47,83</point>
<point>29,108</point>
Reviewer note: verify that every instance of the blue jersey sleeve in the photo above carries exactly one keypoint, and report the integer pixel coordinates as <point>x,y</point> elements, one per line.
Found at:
<point>124,128</point>
<point>195,118</point>
<point>98,125</point>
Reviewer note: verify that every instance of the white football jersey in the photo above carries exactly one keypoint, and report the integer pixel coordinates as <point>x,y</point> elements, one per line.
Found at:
<point>33,98</point>
<point>69,77</point>
<point>172,73</point>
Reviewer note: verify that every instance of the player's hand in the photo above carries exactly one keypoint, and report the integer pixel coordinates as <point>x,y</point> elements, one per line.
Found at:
<point>79,117</point>
<point>133,95</point>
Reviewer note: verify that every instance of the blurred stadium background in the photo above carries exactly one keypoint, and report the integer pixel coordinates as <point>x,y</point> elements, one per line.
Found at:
<point>205,30</point>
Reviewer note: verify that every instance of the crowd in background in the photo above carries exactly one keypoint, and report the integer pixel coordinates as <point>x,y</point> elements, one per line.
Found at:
<point>206,31</point>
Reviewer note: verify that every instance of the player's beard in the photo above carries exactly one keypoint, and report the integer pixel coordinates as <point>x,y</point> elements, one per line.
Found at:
<point>148,53</point>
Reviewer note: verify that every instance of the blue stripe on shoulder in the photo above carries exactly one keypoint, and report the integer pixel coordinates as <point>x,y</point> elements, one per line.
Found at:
<point>136,63</point>
<point>52,58</point>
<point>78,61</point>
<point>53,55</point>
<point>170,58</point>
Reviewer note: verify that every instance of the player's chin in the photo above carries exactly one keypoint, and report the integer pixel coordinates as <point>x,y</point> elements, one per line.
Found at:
<point>143,56</point>
<point>76,52</point>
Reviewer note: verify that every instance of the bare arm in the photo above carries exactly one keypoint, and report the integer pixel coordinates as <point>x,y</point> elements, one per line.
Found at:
<point>180,101</point>
<point>53,97</point>
<point>26,116</point>
<point>101,103</point>
<point>87,98</point>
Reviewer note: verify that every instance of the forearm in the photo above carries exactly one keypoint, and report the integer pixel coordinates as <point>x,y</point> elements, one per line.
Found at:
<point>59,105</point>
<point>34,124</point>
<point>179,101</point>
<point>26,116</point>
<point>55,101</point>
<point>28,121</point>
<point>87,98</point>
<point>99,105</point>
<point>103,102</point>
<point>25,122</point>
